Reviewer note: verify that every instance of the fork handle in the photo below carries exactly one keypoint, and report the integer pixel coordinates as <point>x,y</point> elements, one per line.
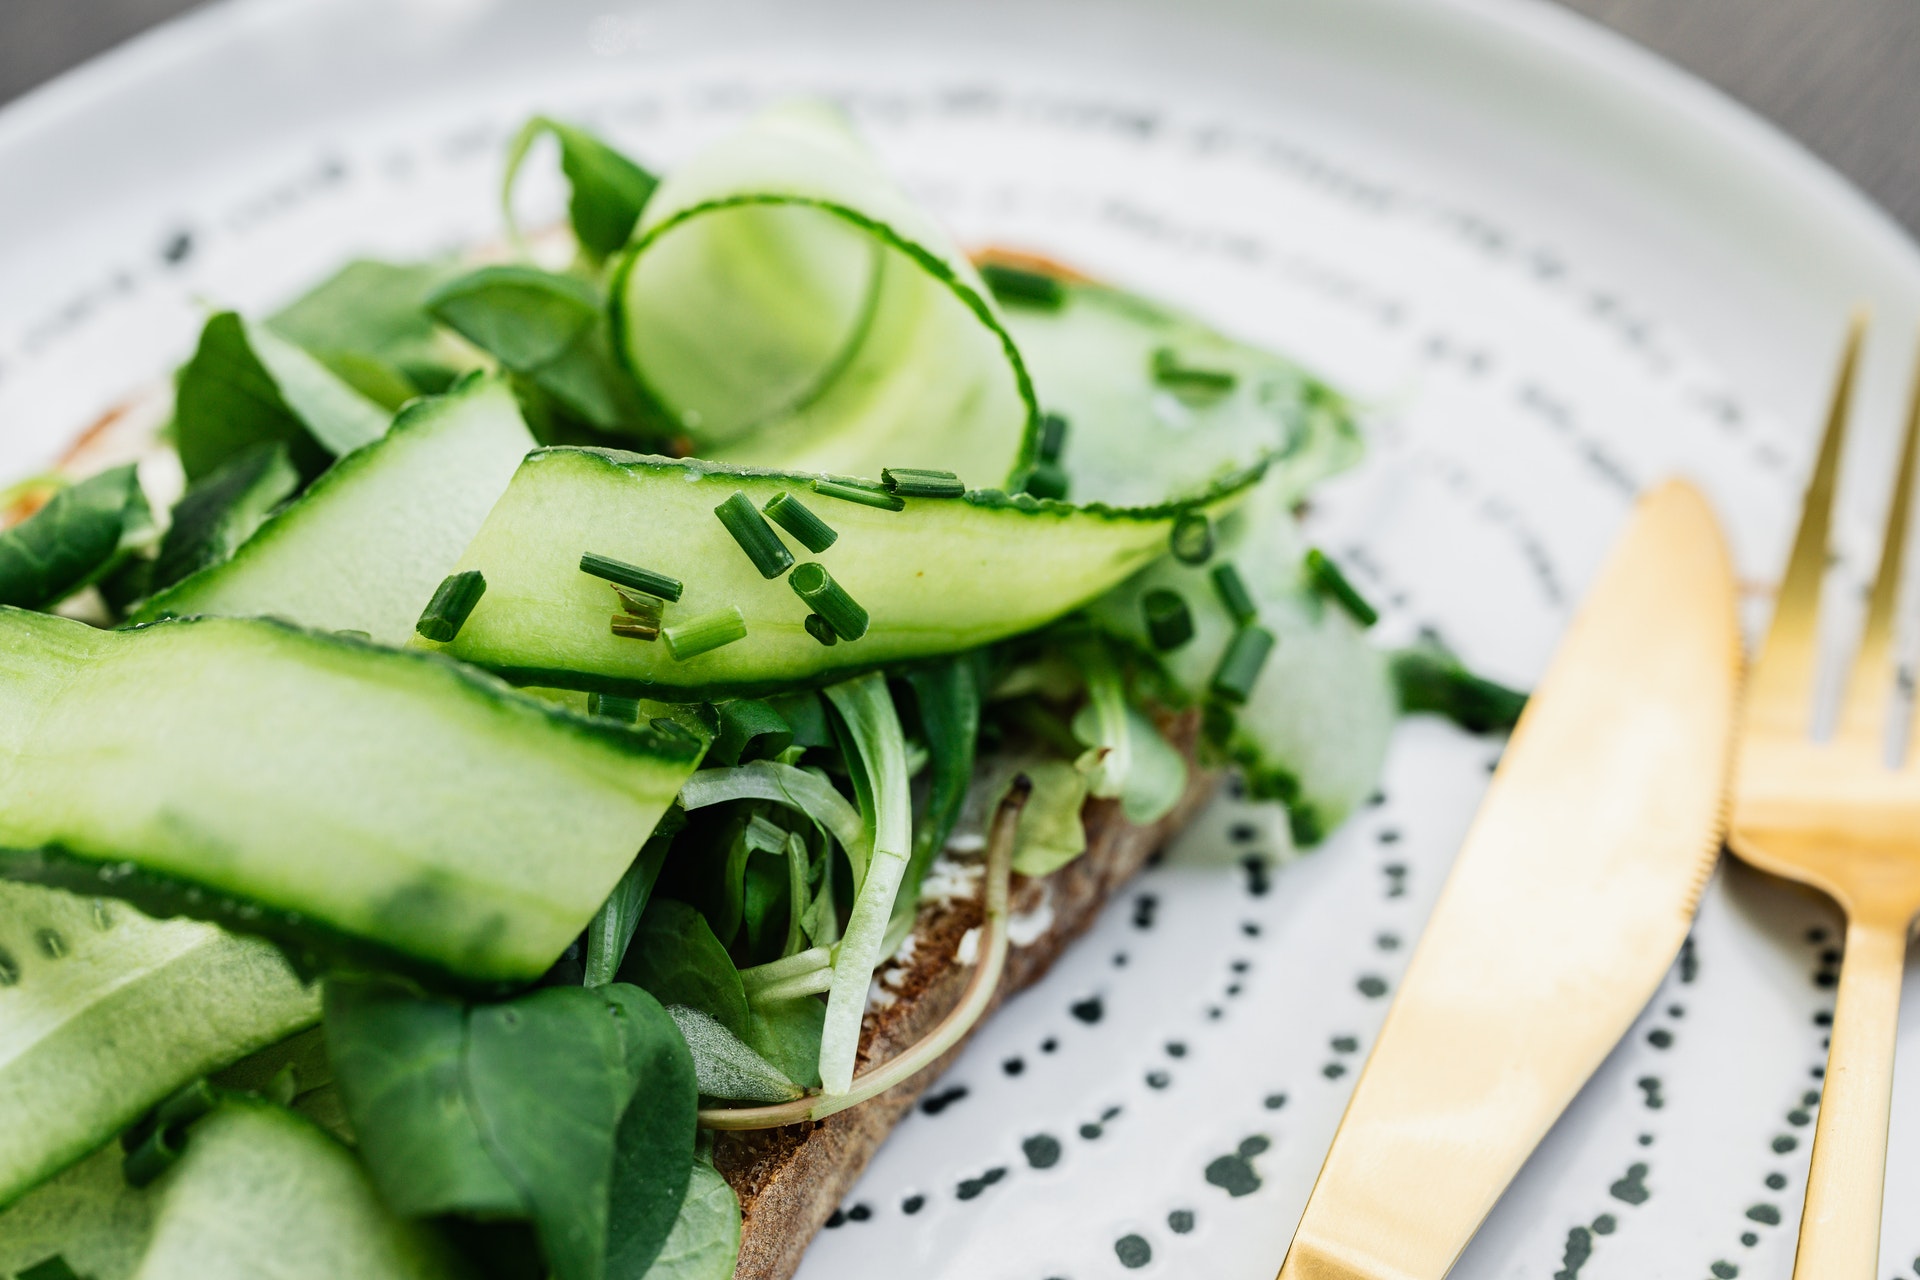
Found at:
<point>1840,1227</point>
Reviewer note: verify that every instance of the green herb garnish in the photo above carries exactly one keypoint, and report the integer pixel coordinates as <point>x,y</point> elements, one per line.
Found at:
<point>808,529</point>
<point>916,482</point>
<point>1326,576</point>
<point>864,495</point>
<point>706,633</point>
<point>1233,593</point>
<point>1191,540</point>
<point>622,574</point>
<point>1240,665</point>
<point>1017,286</point>
<point>1169,621</point>
<point>755,536</point>
<point>452,605</point>
<point>829,600</point>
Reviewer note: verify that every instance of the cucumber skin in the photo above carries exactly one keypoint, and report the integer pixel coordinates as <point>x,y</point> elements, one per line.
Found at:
<point>370,828</point>
<point>124,1014</point>
<point>942,576</point>
<point>261,1191</point>
<point>364,547</point>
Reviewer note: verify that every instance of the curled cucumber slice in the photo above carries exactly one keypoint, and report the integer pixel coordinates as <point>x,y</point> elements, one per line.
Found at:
<point>937,575</point>
<point>1159,407</point>
<point>785,303</point>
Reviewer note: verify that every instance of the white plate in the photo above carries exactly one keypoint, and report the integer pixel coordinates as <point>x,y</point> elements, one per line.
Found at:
<point>1555,268</point>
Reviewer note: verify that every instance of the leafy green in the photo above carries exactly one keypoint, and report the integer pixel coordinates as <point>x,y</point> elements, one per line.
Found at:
<point>368,323</point>
<point>550,331</point>
<point>726,1066</point>
<point>246,385</point>
<point>525,317</point>
<point>73,540</point>
<point>875,749</point>
<point>612,928</point>
<point>787,1034</point>
<point>609,190</point>
<point>1050,834</point>
<point>675,957</point>
<point>573,1109</point>
<point>705,1241</point>
<point>222,510</point>
<point>946,695</point>
<point>798,789</point>
<point>751,729</point>
<point>1430,679</point>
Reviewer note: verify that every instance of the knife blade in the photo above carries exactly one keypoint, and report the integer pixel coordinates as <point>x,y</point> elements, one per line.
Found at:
<point>1566,905</point>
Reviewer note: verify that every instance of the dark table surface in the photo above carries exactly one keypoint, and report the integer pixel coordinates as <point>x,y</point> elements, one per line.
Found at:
<point>1843,76</point>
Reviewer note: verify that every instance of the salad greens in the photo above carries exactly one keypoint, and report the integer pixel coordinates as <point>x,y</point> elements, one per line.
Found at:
<point>574,671</point>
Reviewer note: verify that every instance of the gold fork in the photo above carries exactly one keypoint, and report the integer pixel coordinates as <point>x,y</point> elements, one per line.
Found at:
<point>1842,816</point>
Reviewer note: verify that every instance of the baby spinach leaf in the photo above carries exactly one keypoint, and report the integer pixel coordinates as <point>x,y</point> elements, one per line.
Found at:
<point>525,317</point>
<point>72,540</point>
<point>726,1066</point>
<point>246,384</point>
<point>609,190</point>
<point>650,1168</point>
<point>399,1059</point>
<point>571,1108</point>
<point>705,1241</point>
<point>368,322</point>
<point>222,510</point>
<point>806,715</point>
<point>787,1034</point>
<point>675,957</point>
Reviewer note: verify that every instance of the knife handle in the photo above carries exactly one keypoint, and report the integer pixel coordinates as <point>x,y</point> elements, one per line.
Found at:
<point>1840,1226</point>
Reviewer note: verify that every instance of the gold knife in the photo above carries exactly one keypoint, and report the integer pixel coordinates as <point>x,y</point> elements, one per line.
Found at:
<point>1565,908</point>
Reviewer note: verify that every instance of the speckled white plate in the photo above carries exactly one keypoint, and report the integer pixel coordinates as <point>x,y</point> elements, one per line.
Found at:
<point>1555,269</point>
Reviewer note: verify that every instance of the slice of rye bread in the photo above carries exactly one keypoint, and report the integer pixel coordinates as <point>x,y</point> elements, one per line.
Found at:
<point>790,1180</point>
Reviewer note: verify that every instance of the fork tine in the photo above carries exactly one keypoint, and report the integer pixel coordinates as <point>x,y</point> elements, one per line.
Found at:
<point>1864,714</point>
<point>1780,695</point>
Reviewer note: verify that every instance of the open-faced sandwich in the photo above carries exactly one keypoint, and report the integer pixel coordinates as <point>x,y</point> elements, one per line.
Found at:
<point>590,737</point>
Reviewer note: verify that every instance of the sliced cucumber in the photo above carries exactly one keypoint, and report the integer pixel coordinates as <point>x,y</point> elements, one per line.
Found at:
<point>103,1012</point>
<point>1315,728</point>
<point>262,1192</point>
<point>87,1216</point>
<point>942,576</point>
<point>338,788</point>
<point>785,303</point>
<point>363,549</point>
<point>1160,408</point>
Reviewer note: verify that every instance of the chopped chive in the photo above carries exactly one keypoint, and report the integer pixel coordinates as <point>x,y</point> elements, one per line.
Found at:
<point>1021,287</point>
<point>1234,594</point>
<point>917,482</point>
<point>620,573</point>
<point>1170,371</point>
<point>1169,621</point>
<point>820,629</point>
<point>829,600</point>
<point>1192,538</point>
<point>614,707</point>
<point>631,627</point>
<point>1327,577</point>
<point>451,606</point>
<point>640,604</point>
<point>866,497</point>
<point>755,536</point>
<point>1053,437</point>
<point>1047,480</point>
<point>1240,665</point>
<point>706,633</point>
<point>808,529</point>
<point>153,1157</point>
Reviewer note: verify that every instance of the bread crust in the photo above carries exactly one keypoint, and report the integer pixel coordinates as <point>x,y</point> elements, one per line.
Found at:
<point>791,1179</point>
